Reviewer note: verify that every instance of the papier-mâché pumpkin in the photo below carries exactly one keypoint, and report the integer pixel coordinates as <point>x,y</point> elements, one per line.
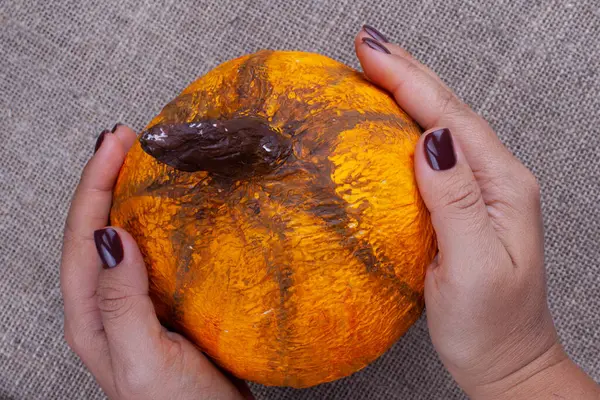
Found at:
<point>275,203</point>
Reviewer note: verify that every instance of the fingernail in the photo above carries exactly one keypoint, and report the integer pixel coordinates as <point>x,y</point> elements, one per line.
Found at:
<point>375,34</point>
<point>109,246</point>
<point>118,124</point>
<point>100,139</point>
<point>439,150</point>
<point>375,45</point>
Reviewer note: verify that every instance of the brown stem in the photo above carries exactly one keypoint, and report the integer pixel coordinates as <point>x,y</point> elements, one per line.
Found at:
<point>239,147</point>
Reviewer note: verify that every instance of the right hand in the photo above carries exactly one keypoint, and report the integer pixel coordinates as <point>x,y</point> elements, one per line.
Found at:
<point>485,292</point>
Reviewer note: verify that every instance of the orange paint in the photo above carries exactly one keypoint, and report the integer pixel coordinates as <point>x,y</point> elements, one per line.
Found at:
<point>307,269</point>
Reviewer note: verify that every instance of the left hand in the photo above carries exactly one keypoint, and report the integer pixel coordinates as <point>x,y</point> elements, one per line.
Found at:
<point>110,321</point>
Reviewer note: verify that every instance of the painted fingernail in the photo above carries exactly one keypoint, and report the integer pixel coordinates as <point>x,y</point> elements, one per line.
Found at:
<point>439,150</point>
<point>375,34</point>
<point>118,124</point>
<point>375,45</point>
<point>100,139</point>
<point>109,246</point>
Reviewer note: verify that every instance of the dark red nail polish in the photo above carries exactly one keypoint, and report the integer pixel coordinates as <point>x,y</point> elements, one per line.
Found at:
<point>439,150</point>
<point>100,139</point>
<point>109,246</point>
<point>375,34</point>
<point>118,124</point>
<point>375,45</point>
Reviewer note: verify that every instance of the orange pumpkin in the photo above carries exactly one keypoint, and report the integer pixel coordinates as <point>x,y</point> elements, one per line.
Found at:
<point>275,203</point>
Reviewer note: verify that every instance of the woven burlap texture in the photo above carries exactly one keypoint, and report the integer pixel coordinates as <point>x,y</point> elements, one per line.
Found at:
<point>69,69</point>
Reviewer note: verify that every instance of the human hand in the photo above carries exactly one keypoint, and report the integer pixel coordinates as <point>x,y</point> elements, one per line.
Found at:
<point>486,291</point>
<point>109,319</point>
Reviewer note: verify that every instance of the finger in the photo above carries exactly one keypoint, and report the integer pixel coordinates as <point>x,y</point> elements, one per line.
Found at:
<point>125,134</point>
<point>79,272</point>
<point>130,322</point>
<point>369,31</point>
<point>401,76</point>
<point>453,198</point>
<point>89,211</point>
<point>432,104</point>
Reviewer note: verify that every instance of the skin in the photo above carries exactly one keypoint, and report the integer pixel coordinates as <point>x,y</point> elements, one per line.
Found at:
<point>485,292</point>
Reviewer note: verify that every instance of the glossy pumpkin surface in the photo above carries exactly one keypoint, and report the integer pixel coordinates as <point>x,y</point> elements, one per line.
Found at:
<point>275,203</point>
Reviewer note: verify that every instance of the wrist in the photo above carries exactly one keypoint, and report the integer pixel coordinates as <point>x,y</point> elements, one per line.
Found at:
<point>551,375</point>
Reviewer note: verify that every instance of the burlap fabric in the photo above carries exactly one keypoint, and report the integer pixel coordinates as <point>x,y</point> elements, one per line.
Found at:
<point>68,69</point>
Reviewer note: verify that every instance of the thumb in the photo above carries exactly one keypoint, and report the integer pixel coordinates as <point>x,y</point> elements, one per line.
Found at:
<point>130,323</point>
<point>452,195</point>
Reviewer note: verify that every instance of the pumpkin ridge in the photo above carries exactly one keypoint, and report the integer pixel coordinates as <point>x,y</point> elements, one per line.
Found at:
<point>283,275</point>
<point>326,125</point>
<point>178,109</point>
<point>332,210</point>
<point>382,268</point>
<point>253,85</point>
<point>192,217</point>
<point>339,221</point>
<point>184,250</point>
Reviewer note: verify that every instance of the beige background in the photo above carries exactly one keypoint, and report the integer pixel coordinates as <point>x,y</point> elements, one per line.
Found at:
<point>68,69</point>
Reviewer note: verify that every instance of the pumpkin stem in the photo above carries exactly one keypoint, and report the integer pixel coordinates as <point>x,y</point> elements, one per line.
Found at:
<point>239,147</point>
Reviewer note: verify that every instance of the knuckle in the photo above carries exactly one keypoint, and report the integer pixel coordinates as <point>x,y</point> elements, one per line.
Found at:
<point>411,72</point>
<point>112,302</point>
<point>451,106</point>
<point>462,195</point>
<point>412,69</point>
